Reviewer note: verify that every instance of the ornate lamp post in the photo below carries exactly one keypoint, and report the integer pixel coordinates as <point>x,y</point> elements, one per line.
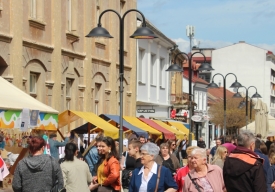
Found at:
<point>236,84</point>
<point>177,68</point>
<point>141,33</point>
<point>238,95</point>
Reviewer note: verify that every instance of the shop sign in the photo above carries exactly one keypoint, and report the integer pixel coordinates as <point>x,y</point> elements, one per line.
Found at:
<point>196,118</point>
<point>146,110</point>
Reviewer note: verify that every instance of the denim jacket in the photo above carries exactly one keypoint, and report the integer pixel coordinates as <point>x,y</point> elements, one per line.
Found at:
<point>92,159</point>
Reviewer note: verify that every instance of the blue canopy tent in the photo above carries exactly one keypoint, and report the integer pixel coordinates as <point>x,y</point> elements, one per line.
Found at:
<point>126,125</point>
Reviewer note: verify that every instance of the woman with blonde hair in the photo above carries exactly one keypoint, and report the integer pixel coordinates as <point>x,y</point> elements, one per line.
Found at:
<point>220,156</point>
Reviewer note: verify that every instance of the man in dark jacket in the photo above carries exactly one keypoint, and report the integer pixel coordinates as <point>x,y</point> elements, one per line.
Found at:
<point>261,155</point>
<point>201,143</point>
<point>243,169</point>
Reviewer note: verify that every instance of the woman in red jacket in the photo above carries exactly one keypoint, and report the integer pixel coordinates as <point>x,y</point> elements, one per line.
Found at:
<point>182,172</point>
<point>108,175</point>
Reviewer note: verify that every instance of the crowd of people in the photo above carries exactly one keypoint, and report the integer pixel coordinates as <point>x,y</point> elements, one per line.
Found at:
<point>246,163</point>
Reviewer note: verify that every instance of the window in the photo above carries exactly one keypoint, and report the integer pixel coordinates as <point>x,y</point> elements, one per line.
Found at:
<point>162,79</point>
<point>153,69</point>
<point>69,83</point>
<point>202,77</point>
<point>33,83</point>
<point>33,9</point>
<point>97,9</point>
<point>97,96</point>
<point>122,3</point>
<point>72,15</point>
<point>37,9</point>
<point>140,65</point>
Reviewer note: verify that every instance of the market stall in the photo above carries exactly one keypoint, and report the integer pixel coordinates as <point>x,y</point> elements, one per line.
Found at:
<point>21,116</point>
<point>114,120</point>
<point>166,133</point>
<point>95,123</point>
<point>154,134</point>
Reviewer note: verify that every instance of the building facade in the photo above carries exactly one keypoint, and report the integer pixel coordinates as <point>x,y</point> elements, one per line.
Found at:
<point>252,65</point>
<point>45,53</point>
<point>153,82</point>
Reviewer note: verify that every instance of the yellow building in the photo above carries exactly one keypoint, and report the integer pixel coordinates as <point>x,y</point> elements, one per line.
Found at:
<point>43,51</point>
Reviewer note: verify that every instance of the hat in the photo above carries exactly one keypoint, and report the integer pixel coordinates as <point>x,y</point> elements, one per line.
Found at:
<point>229,146</point>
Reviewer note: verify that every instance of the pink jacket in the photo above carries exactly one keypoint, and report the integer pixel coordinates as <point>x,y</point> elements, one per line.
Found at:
<point>214,176</point>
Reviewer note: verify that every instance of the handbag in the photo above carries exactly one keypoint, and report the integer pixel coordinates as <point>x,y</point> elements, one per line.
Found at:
<point>55,182</point>
<point>157,184</point>
<point>104,189</point>
<point>194,183</point>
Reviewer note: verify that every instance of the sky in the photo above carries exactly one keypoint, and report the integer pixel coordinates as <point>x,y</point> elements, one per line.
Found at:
<point>218,23</point>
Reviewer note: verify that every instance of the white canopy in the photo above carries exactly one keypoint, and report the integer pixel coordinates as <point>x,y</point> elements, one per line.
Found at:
<point>271,120</point>
<point>12,98</point>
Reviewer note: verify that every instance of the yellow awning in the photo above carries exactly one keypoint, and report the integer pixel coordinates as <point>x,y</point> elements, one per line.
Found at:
<point>69,116</point>
<point>179,134</point>
<point>136,122</point>
<point>180,127</point>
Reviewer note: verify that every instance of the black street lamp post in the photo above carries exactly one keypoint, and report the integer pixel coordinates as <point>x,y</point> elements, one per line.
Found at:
<point>177,68</point>
<point>236,84</point>
<point>141,33</point>
<point>238,95</point>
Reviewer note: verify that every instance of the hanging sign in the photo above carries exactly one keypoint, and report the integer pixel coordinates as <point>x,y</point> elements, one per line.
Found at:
<point>196,118</point>
<point>146,110</point>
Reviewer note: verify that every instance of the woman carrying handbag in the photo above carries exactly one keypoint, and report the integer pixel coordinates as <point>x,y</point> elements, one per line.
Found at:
<point>108,172</point>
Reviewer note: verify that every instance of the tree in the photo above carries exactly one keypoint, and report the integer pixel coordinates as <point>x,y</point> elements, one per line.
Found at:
<point>235,117</point>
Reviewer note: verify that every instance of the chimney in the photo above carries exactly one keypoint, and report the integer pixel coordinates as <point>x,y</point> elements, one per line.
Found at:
<point>241,41</point>
<point>220,83</point>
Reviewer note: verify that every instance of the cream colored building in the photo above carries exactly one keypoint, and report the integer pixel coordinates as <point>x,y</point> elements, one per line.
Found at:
<point>44,51</point>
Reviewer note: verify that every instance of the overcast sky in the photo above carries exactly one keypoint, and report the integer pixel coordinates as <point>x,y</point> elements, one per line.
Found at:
<point>218,23</point>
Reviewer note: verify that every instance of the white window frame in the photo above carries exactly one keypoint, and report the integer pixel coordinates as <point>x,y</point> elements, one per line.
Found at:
<point>141,66</point>
<point>162,76</point>
<point>33,78</point>
<point>153,70</point>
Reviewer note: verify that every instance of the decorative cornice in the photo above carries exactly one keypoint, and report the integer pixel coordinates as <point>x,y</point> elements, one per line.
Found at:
<point>81,87</point>
<point>62,85</point>
<point>5,37</point>
<point>39,46</point>
<point>101,61</point>
<point>125,66</point>
<point>24,80</point>
<point>71,36</point>
<point>100,45</point>
<point>129,93</point>
<point>8,78</point>
<point>49,83</point>
<point>69,53</point>
<point>37,24</point>
<point>108,91</point>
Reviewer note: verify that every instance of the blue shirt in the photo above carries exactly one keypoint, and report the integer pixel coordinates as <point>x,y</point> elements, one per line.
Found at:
<point>165,181</point>
<point>54,145</point>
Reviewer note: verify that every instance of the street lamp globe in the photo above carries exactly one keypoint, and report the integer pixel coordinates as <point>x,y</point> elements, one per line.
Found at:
<point>99,32</point>
<point>256,95</point>
<point>237,95</point>
<point>205,67</point>
<point>175,67</point>
<point>236,84</point>
<point>212,85</point>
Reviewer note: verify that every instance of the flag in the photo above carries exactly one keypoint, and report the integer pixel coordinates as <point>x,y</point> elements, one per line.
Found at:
<point>4,170</point>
